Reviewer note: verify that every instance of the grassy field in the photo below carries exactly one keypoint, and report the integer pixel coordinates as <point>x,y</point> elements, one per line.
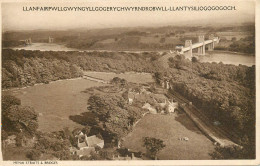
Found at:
<point>169,128</point>
<point>56,101</point>
<point>128,76</point>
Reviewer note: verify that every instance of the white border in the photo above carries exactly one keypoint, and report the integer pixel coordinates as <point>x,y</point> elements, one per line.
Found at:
<point>167,162</point>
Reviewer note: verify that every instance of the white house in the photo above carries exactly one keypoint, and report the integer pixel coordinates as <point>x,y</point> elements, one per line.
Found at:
<point>172,106</point>
<point>150,108</point>
<point>169,105</point>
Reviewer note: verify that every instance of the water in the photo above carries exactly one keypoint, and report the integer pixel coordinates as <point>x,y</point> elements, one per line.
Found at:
<point>214,56</point>
<point>45,47</point>
<point>62,47</point>
<point>228,58</point>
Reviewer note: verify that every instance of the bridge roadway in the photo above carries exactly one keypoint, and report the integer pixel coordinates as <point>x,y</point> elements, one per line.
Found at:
<point>200,44</point>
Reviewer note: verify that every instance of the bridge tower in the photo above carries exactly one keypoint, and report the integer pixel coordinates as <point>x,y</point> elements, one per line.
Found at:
<point>30,41</point>
<point>50,39</point>
<point>201,50</point>
<point>217,40</point>
<point>188,43</point>
<point>211,45</point>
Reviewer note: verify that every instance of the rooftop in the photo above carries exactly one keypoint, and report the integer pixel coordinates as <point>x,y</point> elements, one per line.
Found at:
<point>94,140</point>
<point>85,151</point>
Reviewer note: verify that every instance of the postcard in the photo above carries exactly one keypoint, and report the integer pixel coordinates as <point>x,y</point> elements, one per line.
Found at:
<point>106,82</point>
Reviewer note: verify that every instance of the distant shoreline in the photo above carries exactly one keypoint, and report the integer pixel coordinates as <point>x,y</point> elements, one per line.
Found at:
<point>85,50</point>
<point>115,50</point>
<point>231,52</point>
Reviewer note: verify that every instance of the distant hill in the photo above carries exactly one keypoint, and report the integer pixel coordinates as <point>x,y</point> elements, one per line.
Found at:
<point>137,38</point>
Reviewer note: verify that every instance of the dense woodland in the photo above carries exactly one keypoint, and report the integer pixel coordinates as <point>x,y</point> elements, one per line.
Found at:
<point>23,68</point>
<point>243,45</point>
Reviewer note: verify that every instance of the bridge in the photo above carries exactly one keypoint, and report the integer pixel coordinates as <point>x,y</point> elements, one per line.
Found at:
<point>27,41</point>
<point>201,45</point>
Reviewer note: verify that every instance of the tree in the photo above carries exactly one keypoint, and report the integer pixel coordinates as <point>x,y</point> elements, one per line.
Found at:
<point>33,154</point>
<point>194,59</point>
<point>8,101</point>
<point>23,118</point>
<point>234,39</point>
<point>16,117</point>
<point>86,130</point>
<point>4,135</point>
<point>99,136</point>
<point>158,76</point>
<point>162,40</point>
<point>99,107</point>
<point>97,148</point>
<point>153,146</point>
<point>245,151</point>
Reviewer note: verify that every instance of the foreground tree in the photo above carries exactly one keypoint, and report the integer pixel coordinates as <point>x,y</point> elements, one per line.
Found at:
<point>245,151</point>
<point>153,146</point>
<point>17,118</point>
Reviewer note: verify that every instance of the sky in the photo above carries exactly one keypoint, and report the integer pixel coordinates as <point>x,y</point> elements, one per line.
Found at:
<point>14,18</point>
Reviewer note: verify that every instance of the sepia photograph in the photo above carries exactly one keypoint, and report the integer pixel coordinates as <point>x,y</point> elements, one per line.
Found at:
<point>128,80</point>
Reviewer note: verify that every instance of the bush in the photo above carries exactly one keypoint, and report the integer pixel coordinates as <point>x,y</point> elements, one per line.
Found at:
<point>33,154</point>
<point>194,59</point>
<point>19,140</point>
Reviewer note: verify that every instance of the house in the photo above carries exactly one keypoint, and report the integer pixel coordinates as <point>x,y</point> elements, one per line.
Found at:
<point>86,144</point>
<point>132,95</point>
<point>93,141</point>
<point>170,106</point>
<point>73,150</point>
<point>130,100</point>
<point>163,105</point>
<point>150,108</point>
<point>162,84</point>
<point>85,151</point>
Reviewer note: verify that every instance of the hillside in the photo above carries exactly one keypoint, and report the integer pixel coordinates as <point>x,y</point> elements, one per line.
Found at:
<point>137,38</point>
<point>225,94</point>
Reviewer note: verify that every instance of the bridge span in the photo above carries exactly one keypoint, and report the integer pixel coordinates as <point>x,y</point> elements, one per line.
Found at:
<point>201,45</point>
<point>27,41</point>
